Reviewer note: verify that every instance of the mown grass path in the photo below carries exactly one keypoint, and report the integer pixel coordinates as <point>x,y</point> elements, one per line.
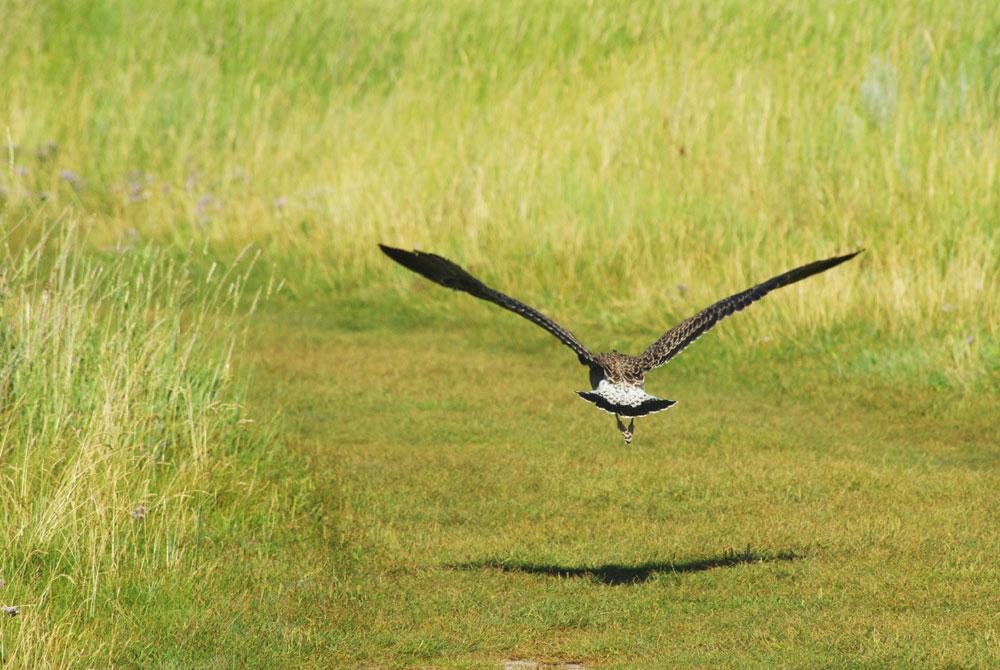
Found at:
<point>448,502</point>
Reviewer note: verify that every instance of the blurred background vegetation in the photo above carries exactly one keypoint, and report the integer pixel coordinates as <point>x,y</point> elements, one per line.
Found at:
<point>619,165</point>
<point>612,161</point>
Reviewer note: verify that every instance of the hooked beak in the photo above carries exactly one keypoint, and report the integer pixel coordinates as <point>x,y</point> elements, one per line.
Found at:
<point>627,433</point>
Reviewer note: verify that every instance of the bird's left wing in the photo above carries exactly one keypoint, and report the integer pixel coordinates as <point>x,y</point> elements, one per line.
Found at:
<point>442,271</point>
<point>680,336</point>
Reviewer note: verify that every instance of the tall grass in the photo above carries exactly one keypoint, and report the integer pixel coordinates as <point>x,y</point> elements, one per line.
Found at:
<point>118,419</point>
<point>591,157</point>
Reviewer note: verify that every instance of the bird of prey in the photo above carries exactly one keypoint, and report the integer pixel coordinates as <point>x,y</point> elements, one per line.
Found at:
<point>617,379</point>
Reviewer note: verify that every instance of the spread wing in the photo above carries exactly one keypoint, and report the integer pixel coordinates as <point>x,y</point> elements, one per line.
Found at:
<point>442,271</point>
<point>680,336</point>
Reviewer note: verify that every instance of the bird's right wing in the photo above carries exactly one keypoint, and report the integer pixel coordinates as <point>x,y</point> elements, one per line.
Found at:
<point>675,340</point>
<point>442,271</point>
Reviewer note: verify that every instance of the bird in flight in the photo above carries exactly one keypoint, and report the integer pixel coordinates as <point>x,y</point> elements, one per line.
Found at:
<point>617,380</point>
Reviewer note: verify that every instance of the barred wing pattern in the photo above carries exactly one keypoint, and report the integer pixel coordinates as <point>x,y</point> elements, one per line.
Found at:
<point>683,334</point>
<point>442,271</point>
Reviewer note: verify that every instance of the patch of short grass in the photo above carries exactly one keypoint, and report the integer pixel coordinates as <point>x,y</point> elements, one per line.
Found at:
<point>459,505</point>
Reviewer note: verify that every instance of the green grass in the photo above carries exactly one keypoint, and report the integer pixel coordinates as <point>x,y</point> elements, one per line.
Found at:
<point>388,490</point>
<point>775,517</point>
<point>564,150</point>
<point>118,423</point>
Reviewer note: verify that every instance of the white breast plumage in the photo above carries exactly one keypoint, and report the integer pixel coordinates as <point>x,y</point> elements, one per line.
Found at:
<point>622,393</point>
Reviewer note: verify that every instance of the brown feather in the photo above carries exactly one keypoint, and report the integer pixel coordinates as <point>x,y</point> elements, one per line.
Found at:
<point>442,271</point>
<point>675,340</point>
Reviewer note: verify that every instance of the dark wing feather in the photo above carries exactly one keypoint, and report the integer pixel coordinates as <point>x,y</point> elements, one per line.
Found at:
<point>678,338</point>
<point>442,271</point>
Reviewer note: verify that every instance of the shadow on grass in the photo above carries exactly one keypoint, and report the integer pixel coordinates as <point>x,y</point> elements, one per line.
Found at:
<point>615,574</point>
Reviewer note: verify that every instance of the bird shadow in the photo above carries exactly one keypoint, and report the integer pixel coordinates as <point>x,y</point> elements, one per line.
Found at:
<point>614,574</point>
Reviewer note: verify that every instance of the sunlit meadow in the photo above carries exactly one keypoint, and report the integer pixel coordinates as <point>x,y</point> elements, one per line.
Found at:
<point>618,165</point>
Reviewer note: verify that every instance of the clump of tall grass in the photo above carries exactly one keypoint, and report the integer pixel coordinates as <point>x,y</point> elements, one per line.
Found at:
<point>117,410</point>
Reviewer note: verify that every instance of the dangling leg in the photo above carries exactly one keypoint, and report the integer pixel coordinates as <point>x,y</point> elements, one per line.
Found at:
<point>626,432</point>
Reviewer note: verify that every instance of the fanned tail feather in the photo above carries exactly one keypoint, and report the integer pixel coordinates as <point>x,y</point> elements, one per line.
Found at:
<point>650,405</point>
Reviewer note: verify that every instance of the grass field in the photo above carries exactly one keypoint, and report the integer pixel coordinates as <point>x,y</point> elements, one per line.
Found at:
<point>232,434</point>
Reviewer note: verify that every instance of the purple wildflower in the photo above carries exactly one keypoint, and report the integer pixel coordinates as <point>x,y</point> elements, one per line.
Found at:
<point>71,177</point>
<point>205,202</point>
